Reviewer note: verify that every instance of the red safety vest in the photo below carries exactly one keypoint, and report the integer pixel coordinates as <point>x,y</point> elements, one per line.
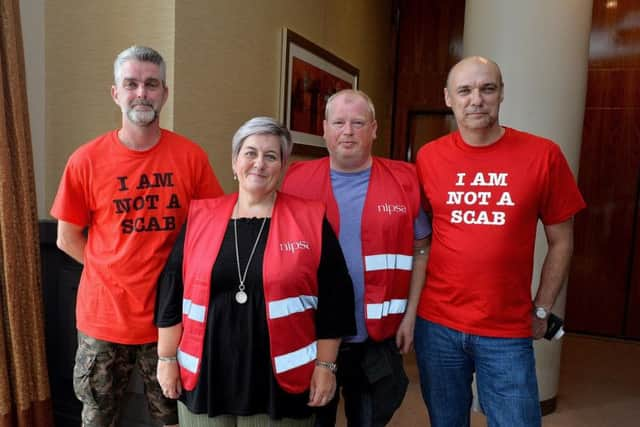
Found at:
<point>390,209</point>
<point>290,268</point>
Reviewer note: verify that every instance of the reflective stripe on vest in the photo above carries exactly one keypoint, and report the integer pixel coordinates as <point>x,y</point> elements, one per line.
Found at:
<point>187,361</point>
<point>378,311</point>
<point>388,262</point>
<point>288,306</point>
<point>296,358</point>
<point>193,311</point>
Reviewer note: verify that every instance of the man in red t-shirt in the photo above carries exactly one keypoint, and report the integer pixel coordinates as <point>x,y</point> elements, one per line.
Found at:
<point>487,186</point>
<point>130,188</point>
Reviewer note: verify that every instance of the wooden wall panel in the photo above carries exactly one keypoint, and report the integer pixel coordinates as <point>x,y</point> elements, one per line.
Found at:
<point>604,284</point>
<point>615,34</point>
<point>428,43</point>
<point>603,244</point>
<point>613,88</point>
<point>632,324</point>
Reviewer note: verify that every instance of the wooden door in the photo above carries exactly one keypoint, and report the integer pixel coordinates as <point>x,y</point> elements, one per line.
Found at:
<point>428,42</point>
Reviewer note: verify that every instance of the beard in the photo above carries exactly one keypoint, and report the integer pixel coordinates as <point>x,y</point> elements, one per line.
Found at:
<point>142,117</point>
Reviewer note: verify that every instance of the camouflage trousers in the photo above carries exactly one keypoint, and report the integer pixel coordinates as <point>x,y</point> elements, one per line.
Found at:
<point>101,376</point>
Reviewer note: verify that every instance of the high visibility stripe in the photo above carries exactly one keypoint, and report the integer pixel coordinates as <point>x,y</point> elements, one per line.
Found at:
<point>288,306</point>
<point>297,358</point>
<point>394,306</point>
<point>187,361</point>
<point>193,311</point>
<point>388,262</point>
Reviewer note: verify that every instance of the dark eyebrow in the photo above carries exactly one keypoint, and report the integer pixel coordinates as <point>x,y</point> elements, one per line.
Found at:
<point>133,79</point>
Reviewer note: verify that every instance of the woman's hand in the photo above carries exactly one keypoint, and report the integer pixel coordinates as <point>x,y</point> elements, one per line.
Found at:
<point>168,371</point>
<point>169,378</point>
<point>323,386</point>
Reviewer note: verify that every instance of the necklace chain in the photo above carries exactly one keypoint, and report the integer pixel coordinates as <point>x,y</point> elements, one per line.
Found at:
<point>243,276</point>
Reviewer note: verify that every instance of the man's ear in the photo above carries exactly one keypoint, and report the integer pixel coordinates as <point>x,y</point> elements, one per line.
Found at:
<point>165,96</point>
<point>447,99</point>
<point>114,94</point>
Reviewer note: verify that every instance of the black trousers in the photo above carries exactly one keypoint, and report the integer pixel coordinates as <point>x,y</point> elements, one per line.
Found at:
<point>373,383</point>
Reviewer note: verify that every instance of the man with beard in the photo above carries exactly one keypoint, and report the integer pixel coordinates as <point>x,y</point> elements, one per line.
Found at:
<point>130,188</point>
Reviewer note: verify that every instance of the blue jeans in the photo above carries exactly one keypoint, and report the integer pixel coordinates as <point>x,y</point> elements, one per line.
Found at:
<point>505,377</point>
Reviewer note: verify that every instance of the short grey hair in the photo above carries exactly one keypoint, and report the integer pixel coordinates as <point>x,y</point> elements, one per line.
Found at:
<point>263,126</point>
<point>142,54</point>
<point>351,93</point>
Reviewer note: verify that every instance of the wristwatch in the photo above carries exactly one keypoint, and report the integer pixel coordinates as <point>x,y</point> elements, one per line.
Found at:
<point>541,312</point>
<point>332,366</point>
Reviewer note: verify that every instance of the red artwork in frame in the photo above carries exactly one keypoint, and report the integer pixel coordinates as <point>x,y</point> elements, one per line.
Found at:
<point>310,75</point>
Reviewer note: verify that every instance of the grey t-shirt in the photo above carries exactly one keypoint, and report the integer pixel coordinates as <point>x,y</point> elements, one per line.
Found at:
<point>350,191</point>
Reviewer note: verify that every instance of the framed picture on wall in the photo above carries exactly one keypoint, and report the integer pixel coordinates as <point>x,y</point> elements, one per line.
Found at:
<point>309,76</point>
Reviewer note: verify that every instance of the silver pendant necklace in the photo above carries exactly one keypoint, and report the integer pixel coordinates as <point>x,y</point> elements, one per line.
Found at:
<point>241,295</point>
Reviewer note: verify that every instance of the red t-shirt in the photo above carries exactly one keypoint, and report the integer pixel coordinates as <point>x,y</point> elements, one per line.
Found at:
<point>486,202</point>
<point>134,204</point>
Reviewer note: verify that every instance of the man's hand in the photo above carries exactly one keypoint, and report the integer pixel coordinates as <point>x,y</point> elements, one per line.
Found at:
<point>538,327</point>
<point>404,336</point>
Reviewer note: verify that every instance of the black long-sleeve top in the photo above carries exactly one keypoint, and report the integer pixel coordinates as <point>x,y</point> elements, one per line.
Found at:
<point>236,375</point>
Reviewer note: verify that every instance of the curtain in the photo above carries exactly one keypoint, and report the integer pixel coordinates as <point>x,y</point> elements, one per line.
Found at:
<point>25,398</point>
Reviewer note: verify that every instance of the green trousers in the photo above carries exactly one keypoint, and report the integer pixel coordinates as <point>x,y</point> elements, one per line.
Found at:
<point>189,419</point>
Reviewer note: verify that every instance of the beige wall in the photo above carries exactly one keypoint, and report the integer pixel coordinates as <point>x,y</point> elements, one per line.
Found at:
<point>82,38</point>
<point>32,21</point>
<point>223,63</point>
<point>228,62</point>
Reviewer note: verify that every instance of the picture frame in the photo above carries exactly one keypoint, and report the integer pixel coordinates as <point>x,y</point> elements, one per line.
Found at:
<point>309,76</point>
